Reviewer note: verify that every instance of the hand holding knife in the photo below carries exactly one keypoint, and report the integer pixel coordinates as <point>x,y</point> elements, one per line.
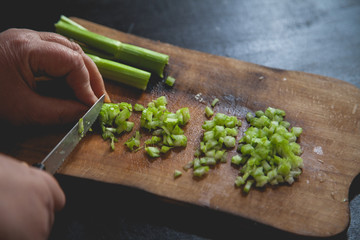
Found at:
<point>57,156</point>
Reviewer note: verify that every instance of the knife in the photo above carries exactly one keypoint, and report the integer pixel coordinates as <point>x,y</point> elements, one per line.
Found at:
<point>57,156</point>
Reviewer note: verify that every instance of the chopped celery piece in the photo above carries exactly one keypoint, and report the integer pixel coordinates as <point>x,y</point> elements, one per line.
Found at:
<point>207,161</point>
<point>153,140</point>
<point>219,131</point>
<point>236,159</point>
<point>177,173</point>
<point>259,113</point>
<point>214,102</point>
<point>189,165</point>
<point>133,142</point>
<point>160,101</point>
<point>177,130</point>
<point>248,186</point>
<point>269,152</point>
<point>220,119</point>
<point>108,113</point>
<point>129,126</point>
<point>208,112</point>
<point>201,171</point>
<point>165,149</point>
<point>184,115</point>
<point>260,122</point>
<point>179,140</point>
<point>125,105</point>
<point>249,116</point>
<point>239,181</point>
<point>122,116</point>
<point>112,144</point>
<point>285,124</point>
<point>138,107</point>
<point>196,163</point>
<point>197,153</point>
<point>232,122</point>
<point>229,141</point>
<point>231,132</point>
<point>170,81</point>
<point>208,125</point>
<point>296,131</point>
<point>220,155</point>
<point>247,149</point>
<point>81,127</point>
<point>152,151</point>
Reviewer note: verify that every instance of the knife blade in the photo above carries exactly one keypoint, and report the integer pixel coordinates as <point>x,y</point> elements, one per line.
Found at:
<point>61,151</point>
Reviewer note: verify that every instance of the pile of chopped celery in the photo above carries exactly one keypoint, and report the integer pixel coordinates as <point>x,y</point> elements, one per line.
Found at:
<point>165,127</point>
<point>113,119</point>
<point>219,136</point>
<point>111,55</point>
<point>268,151</point>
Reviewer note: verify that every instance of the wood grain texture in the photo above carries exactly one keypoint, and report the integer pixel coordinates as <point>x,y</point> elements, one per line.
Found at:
<point>326,108</point>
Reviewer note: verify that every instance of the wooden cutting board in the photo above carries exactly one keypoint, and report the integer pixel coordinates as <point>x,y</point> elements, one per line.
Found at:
<point>326,108</point>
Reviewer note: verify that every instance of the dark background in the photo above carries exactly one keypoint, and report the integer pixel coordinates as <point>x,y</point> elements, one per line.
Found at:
<point>321,37</point>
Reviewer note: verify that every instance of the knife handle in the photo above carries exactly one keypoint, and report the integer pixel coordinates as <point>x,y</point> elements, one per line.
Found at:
<point>40,166</point>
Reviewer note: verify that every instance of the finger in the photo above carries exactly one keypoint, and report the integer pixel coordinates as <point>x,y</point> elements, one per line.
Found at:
<point>58,60</point>
<point>96,80</point>
<point>51,111</point>
<point>56,192</point>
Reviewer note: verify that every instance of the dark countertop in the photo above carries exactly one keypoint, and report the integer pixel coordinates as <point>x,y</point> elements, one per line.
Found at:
<point>321,37</point>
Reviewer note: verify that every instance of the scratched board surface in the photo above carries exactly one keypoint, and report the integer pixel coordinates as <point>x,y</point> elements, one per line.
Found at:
<point>326,108</point>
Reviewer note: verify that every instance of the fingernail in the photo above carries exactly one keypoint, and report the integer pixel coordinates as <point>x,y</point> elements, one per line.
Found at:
<point>107,98</point>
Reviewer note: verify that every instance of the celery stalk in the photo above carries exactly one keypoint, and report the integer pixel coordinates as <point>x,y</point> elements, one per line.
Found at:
<point>92,39</point>
<point>142,58</point>
<point>71,22</point>
<point>95,52</point>
<point>121,73</point>
<point>129,54</point>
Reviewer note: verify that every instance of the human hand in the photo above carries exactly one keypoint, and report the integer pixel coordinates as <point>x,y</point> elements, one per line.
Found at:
<point>29,198</point>
<point>27,54</point>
